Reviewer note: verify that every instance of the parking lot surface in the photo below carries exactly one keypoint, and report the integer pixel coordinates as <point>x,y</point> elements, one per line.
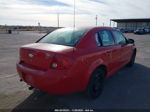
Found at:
<point>129,88</point>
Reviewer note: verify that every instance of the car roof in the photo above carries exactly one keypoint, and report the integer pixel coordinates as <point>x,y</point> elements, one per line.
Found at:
<point>88,29</point>
<point>92,28</point>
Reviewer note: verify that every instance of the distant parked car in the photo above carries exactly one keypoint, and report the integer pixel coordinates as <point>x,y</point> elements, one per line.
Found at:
<point>70,60</point>
<point>130,31</point>
<point>118,29</point>
<point>126,30</point>
<point>147,29</point>
<point>139,31</point>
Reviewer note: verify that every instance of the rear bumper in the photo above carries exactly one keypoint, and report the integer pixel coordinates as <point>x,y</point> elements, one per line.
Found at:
<point>51,81</point>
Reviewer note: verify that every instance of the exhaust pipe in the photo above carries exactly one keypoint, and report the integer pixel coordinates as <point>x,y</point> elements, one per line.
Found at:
<point>30,88</point>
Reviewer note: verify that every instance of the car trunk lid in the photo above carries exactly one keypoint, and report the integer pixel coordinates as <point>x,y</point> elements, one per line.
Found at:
<point>40,55</point>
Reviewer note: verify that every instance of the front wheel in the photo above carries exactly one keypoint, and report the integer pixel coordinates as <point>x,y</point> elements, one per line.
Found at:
<point>96,83</point>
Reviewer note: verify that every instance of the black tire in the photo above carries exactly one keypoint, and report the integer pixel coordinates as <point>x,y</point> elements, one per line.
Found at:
<point>132,60</point>
<point>96,83</point>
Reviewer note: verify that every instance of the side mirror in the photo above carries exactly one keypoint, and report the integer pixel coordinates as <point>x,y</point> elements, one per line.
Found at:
<point>130,41</point>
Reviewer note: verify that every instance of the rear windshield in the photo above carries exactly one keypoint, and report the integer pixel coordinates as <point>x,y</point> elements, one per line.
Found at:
<point>64,36</point>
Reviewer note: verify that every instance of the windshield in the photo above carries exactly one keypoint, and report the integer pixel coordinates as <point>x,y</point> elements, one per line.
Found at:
<point>64,36</point>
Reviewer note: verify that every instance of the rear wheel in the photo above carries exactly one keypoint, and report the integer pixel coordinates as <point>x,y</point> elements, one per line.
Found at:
<point>96,83</point>
<point>132,60</point>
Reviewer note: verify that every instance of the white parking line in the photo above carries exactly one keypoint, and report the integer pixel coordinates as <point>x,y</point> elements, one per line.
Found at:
<point>7,76</point>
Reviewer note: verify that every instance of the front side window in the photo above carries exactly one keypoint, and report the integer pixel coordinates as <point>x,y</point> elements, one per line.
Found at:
<point>119,37</point>
<point>106,38</point>
<point>64,36</point>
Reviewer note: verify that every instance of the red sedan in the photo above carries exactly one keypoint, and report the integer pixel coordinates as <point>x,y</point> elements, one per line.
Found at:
<point>71,60</point>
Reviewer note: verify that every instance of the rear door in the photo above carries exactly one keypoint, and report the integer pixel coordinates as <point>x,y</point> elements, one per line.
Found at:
<point>111,51</point>
<point>125,49</point>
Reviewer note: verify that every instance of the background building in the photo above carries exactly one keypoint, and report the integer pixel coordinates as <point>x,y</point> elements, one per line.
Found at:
<point>132,24</point>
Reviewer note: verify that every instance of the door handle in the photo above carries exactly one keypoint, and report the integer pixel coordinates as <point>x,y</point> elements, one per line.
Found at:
<point>109,54</point>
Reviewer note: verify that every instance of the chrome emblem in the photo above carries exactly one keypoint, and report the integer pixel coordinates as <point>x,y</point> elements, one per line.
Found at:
<point>31,55</point>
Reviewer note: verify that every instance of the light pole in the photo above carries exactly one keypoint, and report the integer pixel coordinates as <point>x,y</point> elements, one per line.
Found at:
<point>103,24</point>
<point>39,25</point>
<point>74,24</point>
<point>6,28</point>
<point>110,22</point>
<point>96,19</point>
<point>114,24</point>
<point>58,19</point>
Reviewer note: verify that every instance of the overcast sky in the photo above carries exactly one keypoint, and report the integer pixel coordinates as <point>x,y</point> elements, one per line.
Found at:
<point>30,12</point>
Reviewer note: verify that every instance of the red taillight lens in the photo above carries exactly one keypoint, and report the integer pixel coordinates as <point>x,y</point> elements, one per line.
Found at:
<point>60,62</point>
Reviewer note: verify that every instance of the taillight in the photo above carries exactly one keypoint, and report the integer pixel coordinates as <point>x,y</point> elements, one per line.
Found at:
<point>60,62</point>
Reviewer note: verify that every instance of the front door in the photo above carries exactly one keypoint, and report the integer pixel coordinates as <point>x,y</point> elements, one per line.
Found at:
<point>125,49</point>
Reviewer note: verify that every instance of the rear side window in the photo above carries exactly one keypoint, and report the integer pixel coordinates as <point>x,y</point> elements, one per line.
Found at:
<point>97,39</point>
<point>106,38</point>
<point>119,37</point>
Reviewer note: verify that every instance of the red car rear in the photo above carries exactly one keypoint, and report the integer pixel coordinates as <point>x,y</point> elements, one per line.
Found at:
<point>71,60</point>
